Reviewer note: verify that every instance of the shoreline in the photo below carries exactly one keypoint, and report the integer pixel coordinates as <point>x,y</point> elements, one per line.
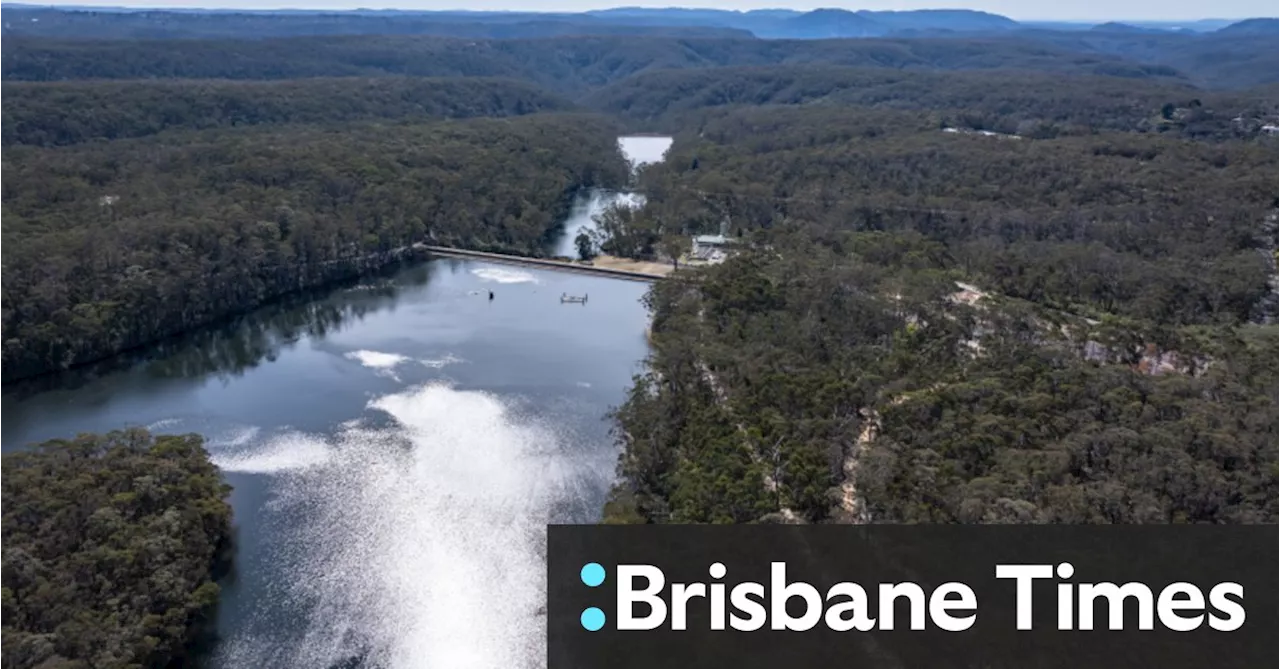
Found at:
<point>617,268</point>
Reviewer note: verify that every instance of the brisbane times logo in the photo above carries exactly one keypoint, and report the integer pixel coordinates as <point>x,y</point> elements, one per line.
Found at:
<point>998,597</point>
<point>645,601</point>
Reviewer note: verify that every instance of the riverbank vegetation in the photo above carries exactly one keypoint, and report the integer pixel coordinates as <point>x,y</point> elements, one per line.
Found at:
<point>111,543</point>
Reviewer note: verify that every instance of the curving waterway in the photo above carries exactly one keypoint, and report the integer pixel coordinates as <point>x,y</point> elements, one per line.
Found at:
<point>639,151</point>
<point>396,447</point>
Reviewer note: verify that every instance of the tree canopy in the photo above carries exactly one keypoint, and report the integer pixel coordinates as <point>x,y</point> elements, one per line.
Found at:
<point>53,114</point>
<point>927,323</point>
<point>111,543</point>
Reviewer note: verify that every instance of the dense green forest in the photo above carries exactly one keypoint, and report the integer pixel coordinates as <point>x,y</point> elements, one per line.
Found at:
<point>1147,226</point>
<point>576,64</point>
<point>834,377</point>
<point>111,544</point>
<point>112,245</point>
<point>567,64</point>
<point>1010,102</point>
<point>69,113</point>
<point>1107,367</point>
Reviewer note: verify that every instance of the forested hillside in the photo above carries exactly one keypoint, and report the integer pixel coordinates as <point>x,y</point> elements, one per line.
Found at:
<point>112,245</point>
<point>1039,104</point>
<point>1142,225</point>
<point>69,113</point>
<point>111,543</point>
<point>1215,60</point>
<point>1107,367</point>
<point>576,64</point>
<point>569,64</point>
<point>835,379</point>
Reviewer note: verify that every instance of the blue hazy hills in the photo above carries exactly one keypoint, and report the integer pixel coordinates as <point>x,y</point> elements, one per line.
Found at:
<point>99,22</point>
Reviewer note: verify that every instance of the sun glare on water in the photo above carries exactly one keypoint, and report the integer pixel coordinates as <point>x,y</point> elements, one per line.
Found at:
<point>405,543</point>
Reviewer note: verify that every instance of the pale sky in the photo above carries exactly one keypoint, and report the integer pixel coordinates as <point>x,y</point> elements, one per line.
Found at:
<point>1074,10</point>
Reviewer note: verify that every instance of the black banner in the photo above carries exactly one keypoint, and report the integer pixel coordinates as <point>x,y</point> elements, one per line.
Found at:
<point>990,597</point>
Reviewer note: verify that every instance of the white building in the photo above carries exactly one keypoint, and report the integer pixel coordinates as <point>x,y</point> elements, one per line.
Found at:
<point>710,248</point>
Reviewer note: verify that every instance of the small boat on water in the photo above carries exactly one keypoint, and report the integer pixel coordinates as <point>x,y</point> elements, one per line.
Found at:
<point>565,298</point>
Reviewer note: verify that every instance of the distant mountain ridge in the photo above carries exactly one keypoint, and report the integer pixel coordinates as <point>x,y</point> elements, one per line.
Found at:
<point>828,23</point>
<point>950,19</point>
<point>122,23</point>
<point>1115,26</point>
<point>86,22</point>
<point>825,23</point>
<point>1252,27</point>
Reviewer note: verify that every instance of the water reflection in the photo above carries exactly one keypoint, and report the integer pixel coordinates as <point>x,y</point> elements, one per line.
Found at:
<point>230,349</point>
<point>409,432</point>
<point>261,336</point>
<point>163,381</point>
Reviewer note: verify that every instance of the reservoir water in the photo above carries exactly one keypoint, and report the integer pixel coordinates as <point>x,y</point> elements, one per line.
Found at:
<point>396,448</point>
<point>640,151</point>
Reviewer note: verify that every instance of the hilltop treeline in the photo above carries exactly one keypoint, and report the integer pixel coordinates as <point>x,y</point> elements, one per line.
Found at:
<point>582,61</point>
<point>69,113</point>
<point>836,371</point>
<point>112,245</point>
<point>111,543</point>
<point>1029,103</point>
<point>566,65</point>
